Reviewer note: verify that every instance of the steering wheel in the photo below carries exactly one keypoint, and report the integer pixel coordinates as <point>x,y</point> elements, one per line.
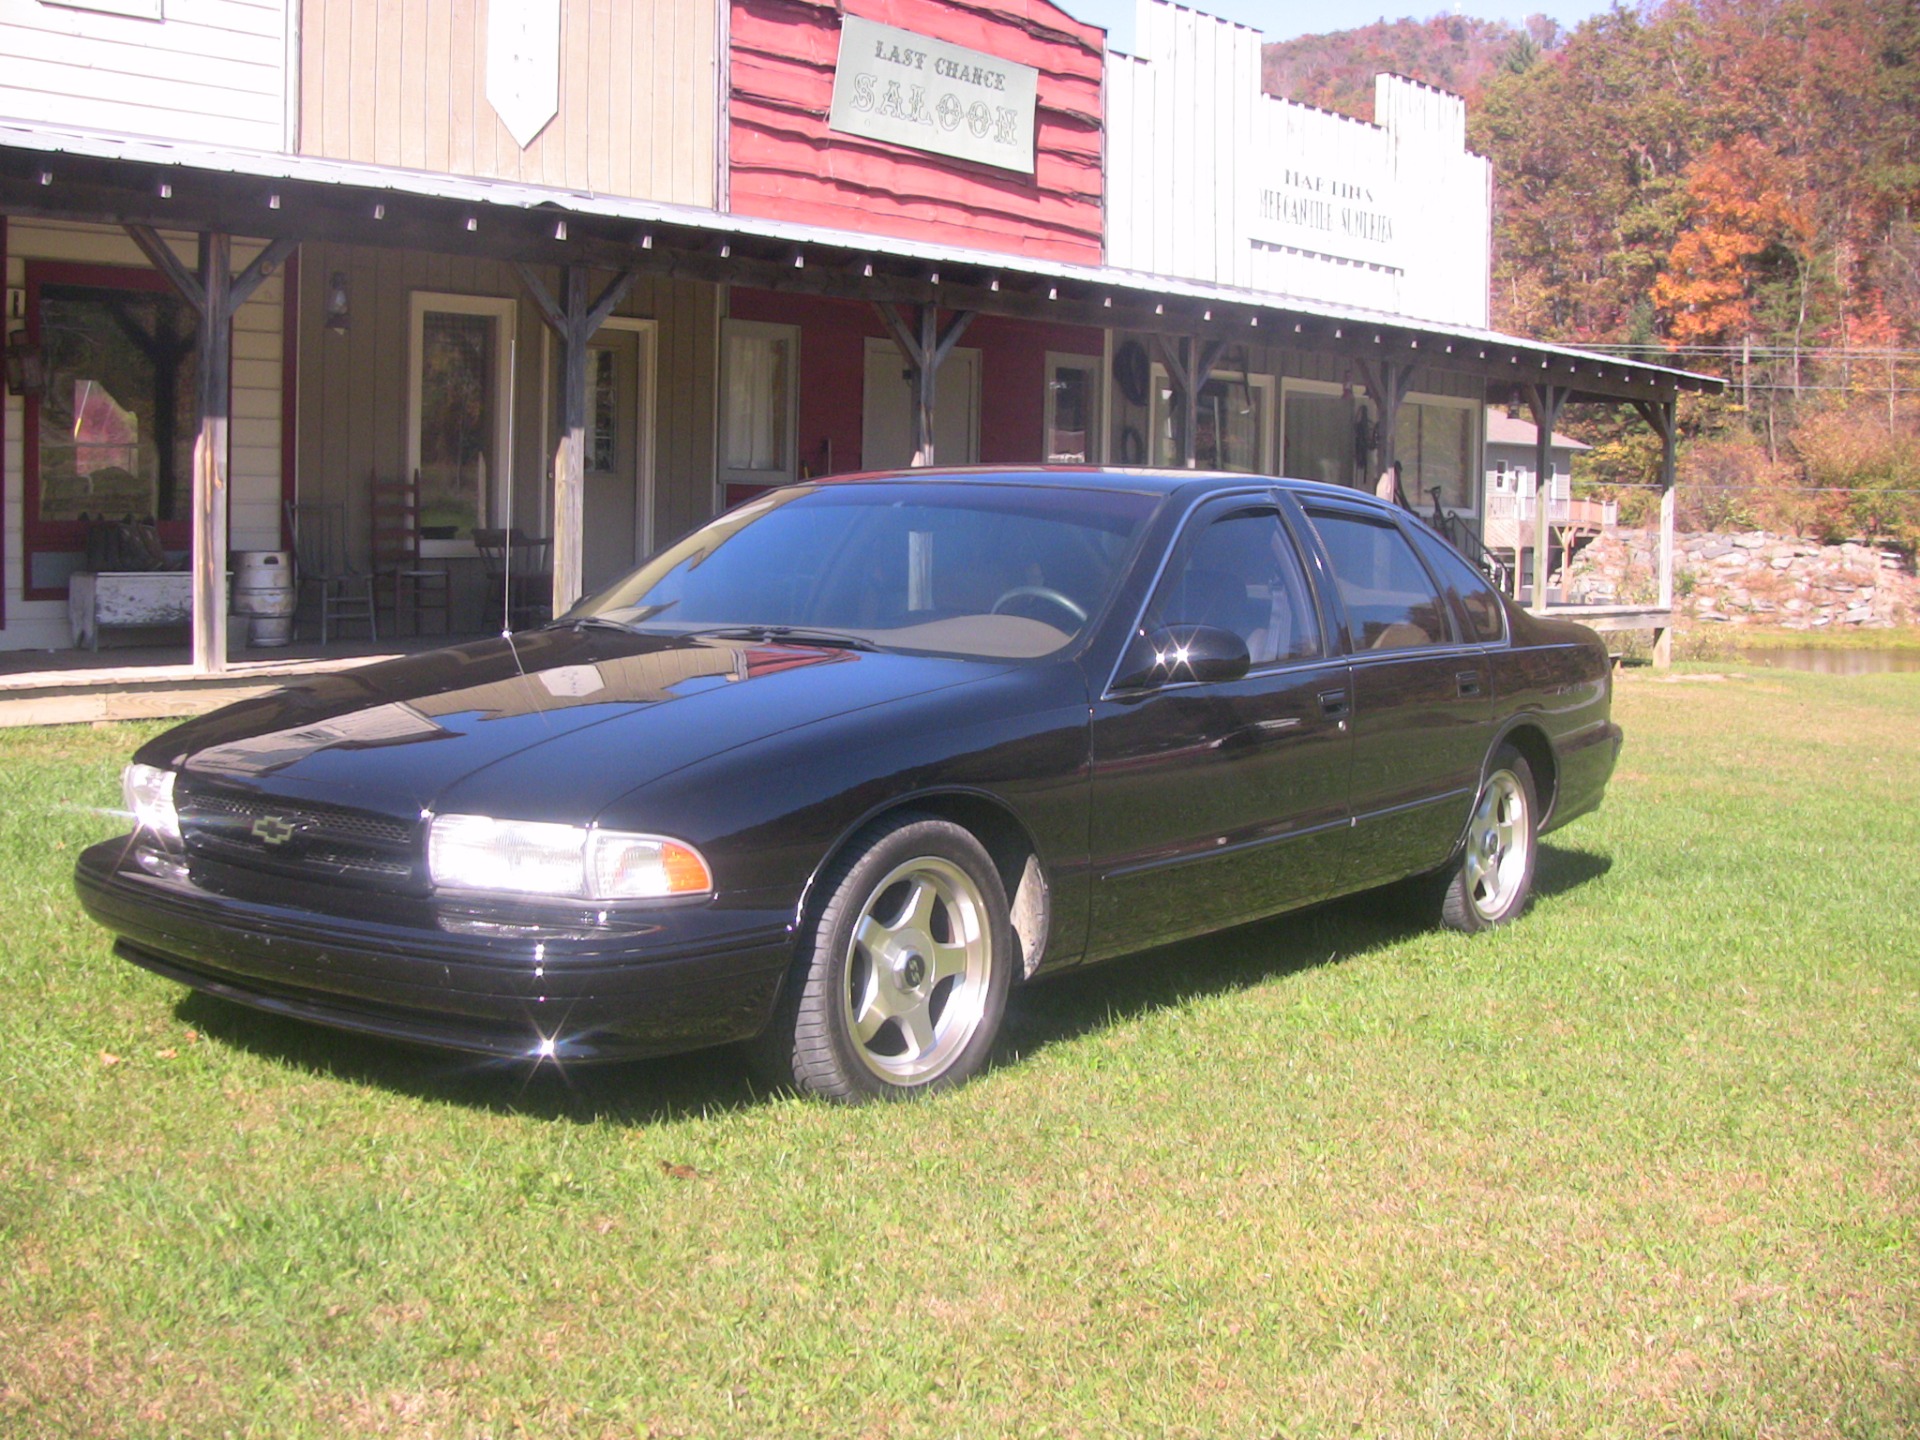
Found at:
<point>1042,592</point>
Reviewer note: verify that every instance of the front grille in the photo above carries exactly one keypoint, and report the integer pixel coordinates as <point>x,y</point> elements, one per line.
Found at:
<point>311,841</point>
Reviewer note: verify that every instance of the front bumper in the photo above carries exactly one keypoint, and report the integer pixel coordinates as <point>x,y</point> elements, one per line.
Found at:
<point>519,981</point>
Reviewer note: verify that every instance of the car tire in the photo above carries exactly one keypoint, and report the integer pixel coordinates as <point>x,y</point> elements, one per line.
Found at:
<point>1492,880</point>
<point>902,975</point>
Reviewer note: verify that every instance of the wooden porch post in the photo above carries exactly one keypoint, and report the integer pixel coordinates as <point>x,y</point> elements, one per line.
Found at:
<point>926,379</point>
<point>210,456</point>
<point>925,348</point>
<point>216,293</point>
<point>1663,417</point>
<point>1189,365</point>
<point>576,324</point>
<point>1545,401</point>
<point>1388,383</point>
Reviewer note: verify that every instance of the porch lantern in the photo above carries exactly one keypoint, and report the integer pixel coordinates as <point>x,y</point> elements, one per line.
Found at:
<point>337,303</point>
<point>26,365</point>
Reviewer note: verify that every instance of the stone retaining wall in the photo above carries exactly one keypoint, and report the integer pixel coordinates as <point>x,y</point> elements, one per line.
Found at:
<point>1753,578</point>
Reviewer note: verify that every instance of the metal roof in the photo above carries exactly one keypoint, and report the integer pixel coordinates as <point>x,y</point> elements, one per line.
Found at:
<point>556,203</point>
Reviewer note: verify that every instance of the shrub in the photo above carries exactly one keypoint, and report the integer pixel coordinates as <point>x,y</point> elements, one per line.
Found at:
<point>1727,483</point>
<point>1862,474</point>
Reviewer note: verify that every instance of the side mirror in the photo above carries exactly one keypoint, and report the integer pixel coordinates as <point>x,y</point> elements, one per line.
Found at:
<point>1179,653</point>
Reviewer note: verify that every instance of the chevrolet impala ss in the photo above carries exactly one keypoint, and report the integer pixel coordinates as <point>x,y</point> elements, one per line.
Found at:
<point>831,775</point>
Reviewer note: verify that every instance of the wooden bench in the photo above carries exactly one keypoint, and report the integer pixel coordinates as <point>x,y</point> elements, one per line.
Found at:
<point>128,598</point>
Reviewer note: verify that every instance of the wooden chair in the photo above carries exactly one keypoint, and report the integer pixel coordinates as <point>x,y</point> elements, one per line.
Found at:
<point>320,566</point>
<point>401,581</point>
<point>519,576</point>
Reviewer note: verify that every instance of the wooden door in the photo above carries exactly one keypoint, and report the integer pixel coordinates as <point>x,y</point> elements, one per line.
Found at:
<point>617,496</point>
<point>887,427</point>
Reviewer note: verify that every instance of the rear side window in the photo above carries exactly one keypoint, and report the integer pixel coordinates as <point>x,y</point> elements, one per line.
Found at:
<point>1486,616</point>
<point>1390,600</point>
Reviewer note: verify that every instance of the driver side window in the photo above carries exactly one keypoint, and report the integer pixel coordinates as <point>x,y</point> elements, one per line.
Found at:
<point>1243,575</point>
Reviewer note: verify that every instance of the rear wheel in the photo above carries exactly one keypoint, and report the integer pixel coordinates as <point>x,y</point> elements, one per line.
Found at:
<point>1493,878</point>
<point>902,979</point>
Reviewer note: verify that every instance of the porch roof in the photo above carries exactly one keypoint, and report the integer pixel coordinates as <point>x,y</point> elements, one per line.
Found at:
<point>83,175</point>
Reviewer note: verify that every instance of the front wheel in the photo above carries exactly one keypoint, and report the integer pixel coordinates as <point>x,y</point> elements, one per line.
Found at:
<point>1493,878</point>
<point>903,975</point>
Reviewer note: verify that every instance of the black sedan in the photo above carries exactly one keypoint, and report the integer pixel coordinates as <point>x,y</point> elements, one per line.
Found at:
<point>833,773</point>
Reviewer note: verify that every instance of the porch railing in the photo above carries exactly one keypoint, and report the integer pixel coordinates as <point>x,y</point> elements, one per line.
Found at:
<point>1562,509</point>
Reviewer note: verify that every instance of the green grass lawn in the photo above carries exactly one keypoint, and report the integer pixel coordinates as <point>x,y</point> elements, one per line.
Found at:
<point>1645,1163</point>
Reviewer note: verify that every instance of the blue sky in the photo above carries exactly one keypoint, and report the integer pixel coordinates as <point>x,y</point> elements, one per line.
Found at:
<point>1283,19</point>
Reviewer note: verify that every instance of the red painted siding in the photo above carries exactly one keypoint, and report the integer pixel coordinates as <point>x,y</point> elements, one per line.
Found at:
<point>1013,383</point>
<point>833,338</point>
<point>784,163</point>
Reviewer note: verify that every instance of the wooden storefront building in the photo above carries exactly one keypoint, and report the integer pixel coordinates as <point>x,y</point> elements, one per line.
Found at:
<point>595,271</point>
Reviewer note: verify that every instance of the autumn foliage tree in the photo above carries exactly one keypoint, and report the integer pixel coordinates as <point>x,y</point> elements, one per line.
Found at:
<point>1757,160</point>
<point>1749,224</point>
<point>1735,181</point>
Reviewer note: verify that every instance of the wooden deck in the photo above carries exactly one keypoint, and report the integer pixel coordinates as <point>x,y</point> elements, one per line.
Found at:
<point>76,687</point>
<point>1608,619</point>
<point>1612,617</point>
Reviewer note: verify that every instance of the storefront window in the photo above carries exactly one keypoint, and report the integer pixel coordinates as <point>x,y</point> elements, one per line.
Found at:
<point>1072,409</point>
<point>601,408</point>
<point>1434,444</point>
<point>456,420</point>
<point>461,399</point>
<point>1229,423</point>
<point>116,421</point>
<point>757,402</point>
<point>1318,437</point>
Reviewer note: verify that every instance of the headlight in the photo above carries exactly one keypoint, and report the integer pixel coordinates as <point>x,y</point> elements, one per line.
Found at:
<point>529,857</point>
<point>148,792</point>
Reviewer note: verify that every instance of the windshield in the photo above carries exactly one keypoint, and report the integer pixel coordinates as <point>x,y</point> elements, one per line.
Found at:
<point>971,568</point>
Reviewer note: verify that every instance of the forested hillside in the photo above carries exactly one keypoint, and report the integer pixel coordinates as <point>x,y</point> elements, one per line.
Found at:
<point>1455,52</point>
<point>1730,183</point>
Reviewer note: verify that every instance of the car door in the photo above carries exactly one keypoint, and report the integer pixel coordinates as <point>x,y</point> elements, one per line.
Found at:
<point>1422,707</point>
<point>1218,802</point>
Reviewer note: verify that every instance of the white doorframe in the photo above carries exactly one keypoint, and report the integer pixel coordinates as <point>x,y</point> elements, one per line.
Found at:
<point>646,390</point>
<point>969,355</point>
<point>504,312</point>
<point>1093,366</point>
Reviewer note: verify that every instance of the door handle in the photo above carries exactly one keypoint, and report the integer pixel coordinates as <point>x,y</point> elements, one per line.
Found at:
<point>1468,681</point>
<point>1333,704</point>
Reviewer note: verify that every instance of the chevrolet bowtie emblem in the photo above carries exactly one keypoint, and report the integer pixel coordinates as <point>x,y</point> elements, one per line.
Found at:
<point>273,830</point>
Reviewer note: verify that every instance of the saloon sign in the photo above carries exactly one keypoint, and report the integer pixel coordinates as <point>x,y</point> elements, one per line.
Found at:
<point>910,90</point>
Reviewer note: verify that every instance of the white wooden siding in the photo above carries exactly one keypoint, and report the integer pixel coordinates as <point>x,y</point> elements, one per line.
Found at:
<point>254,450</point>
<point>1191,143</point>
<point>213,71</point>
<point>403,82</point>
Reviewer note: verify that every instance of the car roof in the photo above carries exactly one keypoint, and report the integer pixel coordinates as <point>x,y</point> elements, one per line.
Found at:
<point>1133,479</point>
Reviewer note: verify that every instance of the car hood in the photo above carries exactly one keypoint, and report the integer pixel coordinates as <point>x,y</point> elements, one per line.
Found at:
<point>397,737</point>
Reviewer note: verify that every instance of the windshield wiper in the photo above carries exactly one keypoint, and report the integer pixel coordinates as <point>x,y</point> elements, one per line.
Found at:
<point>800,633</point>
<point>595,622</point>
